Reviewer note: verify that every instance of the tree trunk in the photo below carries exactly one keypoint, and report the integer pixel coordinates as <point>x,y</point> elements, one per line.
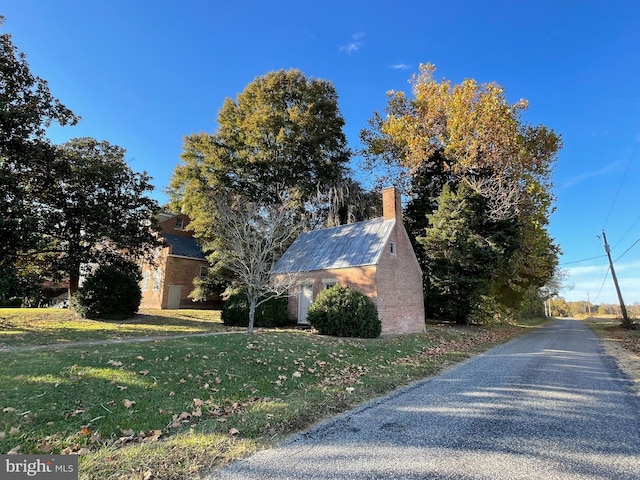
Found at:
<point>73,284</point>
<point>252,315</point>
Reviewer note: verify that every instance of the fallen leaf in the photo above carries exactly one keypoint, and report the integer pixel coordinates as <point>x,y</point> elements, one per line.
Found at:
<point>197,402</point>
<point>83,451</point>
<point>128,403</point>
<point>172,394</point>
<point>9,410</point>
<point>144,372</point>
<point>14,450</point>
<point>296,374</point>
<point>45,447</point>
<point>234,431</point>
<point>120,387</point>
<point>140,357</point>
<point>14,431</point>
<point>115,363</point>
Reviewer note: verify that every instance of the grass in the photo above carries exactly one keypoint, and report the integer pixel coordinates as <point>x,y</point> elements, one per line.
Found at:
<point>48,326</point>
<point>185,406</point>
<point>610,327</point>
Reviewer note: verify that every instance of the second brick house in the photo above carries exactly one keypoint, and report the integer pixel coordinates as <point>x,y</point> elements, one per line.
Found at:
<point>168,282</point>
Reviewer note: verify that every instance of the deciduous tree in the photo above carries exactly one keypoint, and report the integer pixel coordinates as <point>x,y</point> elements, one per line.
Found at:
<point>248,238</point>
<point>27,108</point>
<point>283,133</point>
<point>94,202</point>
<point>469,134</point>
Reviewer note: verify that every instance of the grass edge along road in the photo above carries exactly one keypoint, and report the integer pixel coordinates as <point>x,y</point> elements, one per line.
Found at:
<point>178,408</point>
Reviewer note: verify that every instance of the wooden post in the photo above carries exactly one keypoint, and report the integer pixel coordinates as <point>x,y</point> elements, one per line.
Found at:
<point>625,318</point>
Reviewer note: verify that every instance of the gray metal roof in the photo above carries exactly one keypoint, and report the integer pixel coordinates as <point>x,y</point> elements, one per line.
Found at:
<point>353,245</point>
<point>183,246</point>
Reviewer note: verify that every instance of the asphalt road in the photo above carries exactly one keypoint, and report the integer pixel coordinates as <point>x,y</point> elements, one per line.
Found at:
<point>549,405</point>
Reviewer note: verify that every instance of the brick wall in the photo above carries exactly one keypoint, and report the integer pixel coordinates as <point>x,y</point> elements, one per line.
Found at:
<point>358,278</point>
<point>169,226</point>
<point>400,297</point>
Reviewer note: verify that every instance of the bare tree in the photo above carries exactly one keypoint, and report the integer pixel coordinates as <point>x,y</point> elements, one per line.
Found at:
<point>251,236</point>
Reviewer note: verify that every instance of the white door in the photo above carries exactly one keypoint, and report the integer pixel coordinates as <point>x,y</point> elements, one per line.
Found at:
<point>175,293</point>
<point>305,297</point>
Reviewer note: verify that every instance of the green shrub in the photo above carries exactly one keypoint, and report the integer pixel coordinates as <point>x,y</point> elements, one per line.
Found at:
<point>272,313</point>
<point>344,312</point>
<point>111,292</point>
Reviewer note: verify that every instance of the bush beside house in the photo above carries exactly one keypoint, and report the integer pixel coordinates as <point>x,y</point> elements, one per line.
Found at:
<point>272,313</point>
<point>344,312</point>
<point>111,292</point>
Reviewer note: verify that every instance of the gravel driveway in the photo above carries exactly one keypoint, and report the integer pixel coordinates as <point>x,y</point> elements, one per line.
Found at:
<point>549,405</point>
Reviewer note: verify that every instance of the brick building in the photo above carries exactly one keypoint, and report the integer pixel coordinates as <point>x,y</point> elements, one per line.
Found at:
<point>373,256</point>
<point>167,284</point>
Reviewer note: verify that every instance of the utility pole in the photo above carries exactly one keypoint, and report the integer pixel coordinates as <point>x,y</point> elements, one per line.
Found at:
<point>589,303</point>
<point>625,318</point>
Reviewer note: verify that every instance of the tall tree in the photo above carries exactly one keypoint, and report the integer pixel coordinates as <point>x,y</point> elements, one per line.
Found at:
<point>470,134</point>
<point>464,248</point>
<point>27,108</point>
<point>283,135</point>
<point>94,202</point>
<point>283,132</point>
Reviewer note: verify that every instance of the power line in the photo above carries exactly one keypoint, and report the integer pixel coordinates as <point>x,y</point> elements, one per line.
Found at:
<point>625,233</point>
<point>580,261</point>
<point>632,245</point>
<point>602,286</point>
<point>621,183</point>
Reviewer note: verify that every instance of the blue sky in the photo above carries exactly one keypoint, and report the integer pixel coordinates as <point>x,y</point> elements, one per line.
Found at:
<point>143,74</point>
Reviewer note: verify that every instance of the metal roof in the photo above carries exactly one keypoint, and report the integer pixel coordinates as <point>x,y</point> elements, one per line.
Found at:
<point>183,246</point>
<point>352,245</point>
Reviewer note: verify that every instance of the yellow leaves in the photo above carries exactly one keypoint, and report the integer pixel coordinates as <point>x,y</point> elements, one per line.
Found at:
<point>473,124</point>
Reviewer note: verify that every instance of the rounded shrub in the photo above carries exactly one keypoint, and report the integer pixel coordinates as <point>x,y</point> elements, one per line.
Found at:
<point>344,312</point>
<point>270,314</point>
<point>111,292</point>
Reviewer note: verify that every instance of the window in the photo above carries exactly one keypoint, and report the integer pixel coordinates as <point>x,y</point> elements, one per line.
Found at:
<point>329,282</point>
<point>179,223</point>
<point>157,280</point>
<point>204,272</point>
<point>144,285</point>
<point>393,248</point>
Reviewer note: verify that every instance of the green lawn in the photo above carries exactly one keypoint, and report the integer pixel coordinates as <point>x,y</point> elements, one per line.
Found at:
<point>46,326</point>
<point>184,406</point>
<point>610,327</point>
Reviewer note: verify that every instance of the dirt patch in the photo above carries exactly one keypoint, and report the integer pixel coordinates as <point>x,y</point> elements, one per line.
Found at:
<point>627,360</point>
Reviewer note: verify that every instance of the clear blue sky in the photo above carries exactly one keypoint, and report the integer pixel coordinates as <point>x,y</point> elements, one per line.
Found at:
<point>143,74</point>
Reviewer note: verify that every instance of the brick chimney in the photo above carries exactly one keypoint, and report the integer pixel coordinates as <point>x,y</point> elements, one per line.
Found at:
<point>391,204</point>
